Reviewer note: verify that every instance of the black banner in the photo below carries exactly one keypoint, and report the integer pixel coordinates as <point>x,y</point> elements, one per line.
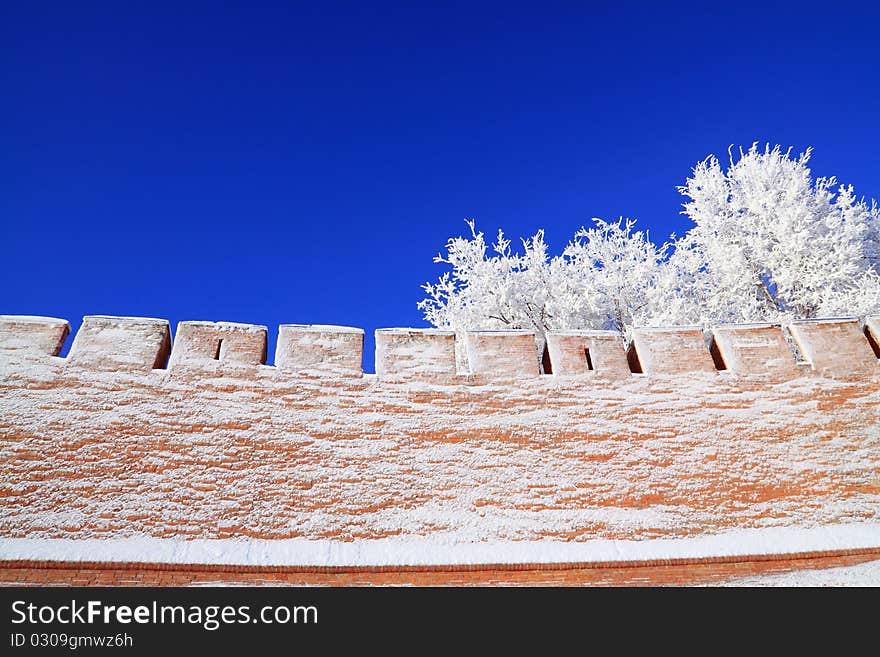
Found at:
<point>154,621</point>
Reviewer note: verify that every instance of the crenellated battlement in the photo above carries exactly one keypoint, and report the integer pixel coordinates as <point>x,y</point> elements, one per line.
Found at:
<point>200,344</point>
<point>121,344</point>
<point>415,353</point>
<point>684,432</point>
<point>841,347</point>
<point>27,336</point>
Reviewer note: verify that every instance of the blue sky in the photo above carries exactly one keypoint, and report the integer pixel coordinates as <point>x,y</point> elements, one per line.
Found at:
<point>303,162</point>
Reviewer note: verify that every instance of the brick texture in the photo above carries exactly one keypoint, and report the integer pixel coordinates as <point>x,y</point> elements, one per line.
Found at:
<point>673,573</point>
<point>106,446</point>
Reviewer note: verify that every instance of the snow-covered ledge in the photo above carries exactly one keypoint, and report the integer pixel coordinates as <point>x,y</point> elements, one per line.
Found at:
<point>435,552</point>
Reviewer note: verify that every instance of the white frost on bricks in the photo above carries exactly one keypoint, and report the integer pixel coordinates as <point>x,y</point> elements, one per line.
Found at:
<point>674,350</point>
<point>755,350</point>
<point>502,354</point>
<point>835,347</point>
<point>121,343</point>
<point>598,353</point>
<point>207,343</point>
<point>320,349</point>
<point>408,353</point>
<point>28,336</point>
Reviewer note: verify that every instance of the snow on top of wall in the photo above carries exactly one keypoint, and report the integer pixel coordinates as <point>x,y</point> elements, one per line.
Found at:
<point>834,347</point>
<point>127,320</point>
<point>668,329</point>
<point>863,574</point>
<point>331,328</point>
<point>437,552</point>
<point>224,325</point>
<point>415,331</point>
<point>825,320</point>
<point>32,319</point>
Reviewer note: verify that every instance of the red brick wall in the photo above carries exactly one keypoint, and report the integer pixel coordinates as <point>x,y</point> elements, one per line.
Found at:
<point>671,573</point>
<point>101,444</point>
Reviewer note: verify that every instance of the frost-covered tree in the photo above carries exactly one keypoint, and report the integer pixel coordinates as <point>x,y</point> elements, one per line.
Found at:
<point>504,290</point>
<point>609,276</point>
<point>769,243</point>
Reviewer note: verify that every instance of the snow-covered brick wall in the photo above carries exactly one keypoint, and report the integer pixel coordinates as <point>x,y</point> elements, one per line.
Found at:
<point>121,343</point>
<point>206,343</point>
<point>502,354</point>
<point>22,336</point>
<point>426,354</point>
<point>320,349</point>
<point>836,346</point>
<point>675,350</point>
<point>119,441</point>
<point>591,353</point>
<point>758,350</point>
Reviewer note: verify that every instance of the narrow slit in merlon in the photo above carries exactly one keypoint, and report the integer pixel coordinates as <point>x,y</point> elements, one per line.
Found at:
<point>589,359</point>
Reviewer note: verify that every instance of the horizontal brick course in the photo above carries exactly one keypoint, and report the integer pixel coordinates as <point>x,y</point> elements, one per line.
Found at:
<point>681,572</point>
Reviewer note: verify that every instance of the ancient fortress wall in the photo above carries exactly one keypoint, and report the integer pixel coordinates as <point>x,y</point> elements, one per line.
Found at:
<point>689,433</point>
